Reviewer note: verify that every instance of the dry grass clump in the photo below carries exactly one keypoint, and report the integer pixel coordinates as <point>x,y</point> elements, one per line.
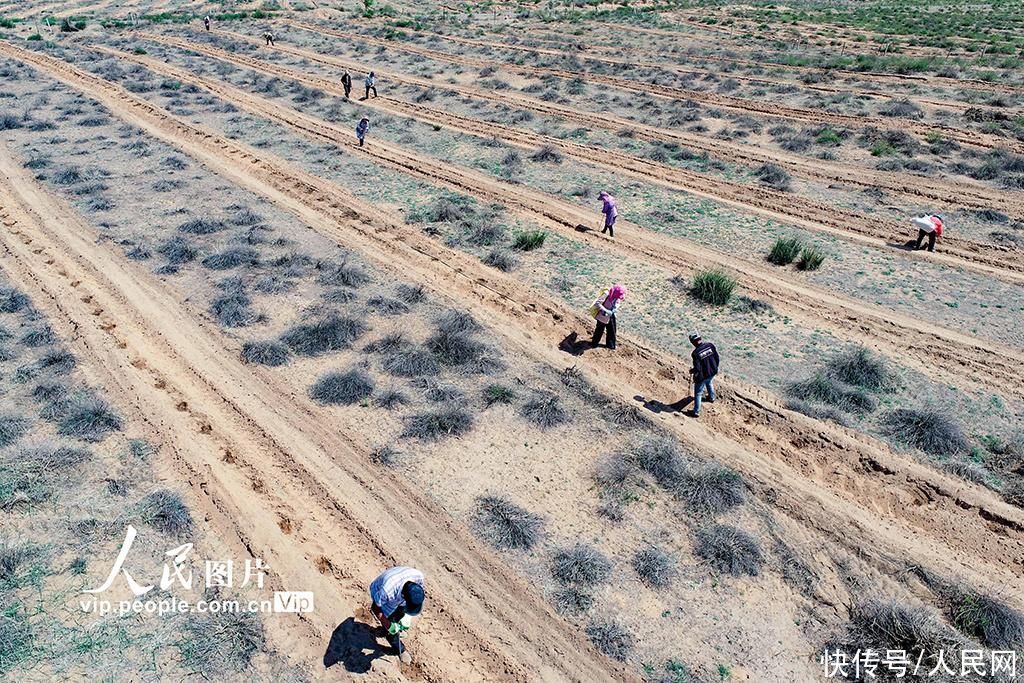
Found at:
<point>391,397</point>
<point>393,341</point>
<point>729,550</point>
<point>219,644</point>
<point>860,367</point>
<point>1013,493</point>
<point>544,409</point>
<point>708,488</point>
<point>234,309</point>
<point>506,525</point>
<point>654,566</point>
<point>12,301</point>
<point>268,352</point>
<point>571,601</point>
<point>387,306</point>
<point>330,333</point>
<point>201,226</point>
<point>411,362</point>
<point>438,423</point>
<point>823,388</point>
<point>12,428</point>
<point>165,511</point>
<point>661,458</point>
<point>341,274</point>
<point>82,415</point>
<point>232,258</point>
<point>611,638</point>
<point>386,456</point>
<point>342,388</point>
<point>927,429</point>
<point>882,625</point>
<point>581,565</point>
<point>986,618</point>
<point>177,250</point>
<point>412,294</point>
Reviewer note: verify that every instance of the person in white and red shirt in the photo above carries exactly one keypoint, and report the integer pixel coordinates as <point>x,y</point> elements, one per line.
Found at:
<point>930,226</point>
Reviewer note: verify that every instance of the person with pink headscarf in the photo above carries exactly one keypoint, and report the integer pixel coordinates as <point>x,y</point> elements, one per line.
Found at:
<point>610,210</point>
<point>603,310</point>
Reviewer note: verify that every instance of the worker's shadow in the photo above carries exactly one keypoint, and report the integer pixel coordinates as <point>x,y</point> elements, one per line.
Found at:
<point>656,406</point>
<point>353,644</point>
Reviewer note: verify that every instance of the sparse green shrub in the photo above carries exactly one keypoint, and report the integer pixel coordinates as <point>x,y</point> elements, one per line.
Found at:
<point>16,640</point>
<point>165,511</point>
<point>529,240</point>
<point>811,258</point>
<point>785,250</point>
<point>986,618</point>
<point>342,388</point>
<point>611,638</point>
<point>1013,493</point>
<point>581,565</point>
<point>928,429</point>
<point>506,525</point>
<point>497,393</point>
<point>729,550</point>
<point>713,287</point>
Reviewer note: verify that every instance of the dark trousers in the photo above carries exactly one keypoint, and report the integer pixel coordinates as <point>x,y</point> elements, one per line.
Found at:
<point>393,640</point>
<point>601,327</point>
<point>368,89</point>
<point>270,41</point>
<point>609,228</point>
<point>931,239</point>
<point>348,89</point>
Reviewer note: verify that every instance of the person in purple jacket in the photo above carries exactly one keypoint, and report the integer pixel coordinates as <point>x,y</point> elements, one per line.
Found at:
<point>610,211</point>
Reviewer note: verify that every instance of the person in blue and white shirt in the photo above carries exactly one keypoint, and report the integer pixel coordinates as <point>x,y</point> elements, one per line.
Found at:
<point>397,596</point>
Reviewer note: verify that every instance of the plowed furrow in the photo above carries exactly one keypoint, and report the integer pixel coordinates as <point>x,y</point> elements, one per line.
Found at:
<point>928,348</point>
<point>959,193</point>
<point>996,260</point>
<point>967,137</point>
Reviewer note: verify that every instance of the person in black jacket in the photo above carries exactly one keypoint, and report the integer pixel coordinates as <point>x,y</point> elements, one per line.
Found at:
<point>346,82</point>
<point>705,367</point>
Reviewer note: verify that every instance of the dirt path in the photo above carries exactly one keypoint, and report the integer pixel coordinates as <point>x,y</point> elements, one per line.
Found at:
<point>995,260</point>
<point>963,193</point>
<point>931,349</point>
<point>967,137</point>
<point>299,493</point>
<point>850,488</point>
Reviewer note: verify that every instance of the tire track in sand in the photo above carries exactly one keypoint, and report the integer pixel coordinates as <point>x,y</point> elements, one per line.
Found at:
<point>929,348</point>
<point>852,489</point>
<point>995,260</point>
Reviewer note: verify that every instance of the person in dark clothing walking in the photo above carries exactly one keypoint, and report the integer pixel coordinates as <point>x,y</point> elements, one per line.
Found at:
<point>206,21</point>
<point>269,37</point>
<point>371,84</point>
<point>346,82</point>
<point>362,128</point>
<point>705,367</point>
